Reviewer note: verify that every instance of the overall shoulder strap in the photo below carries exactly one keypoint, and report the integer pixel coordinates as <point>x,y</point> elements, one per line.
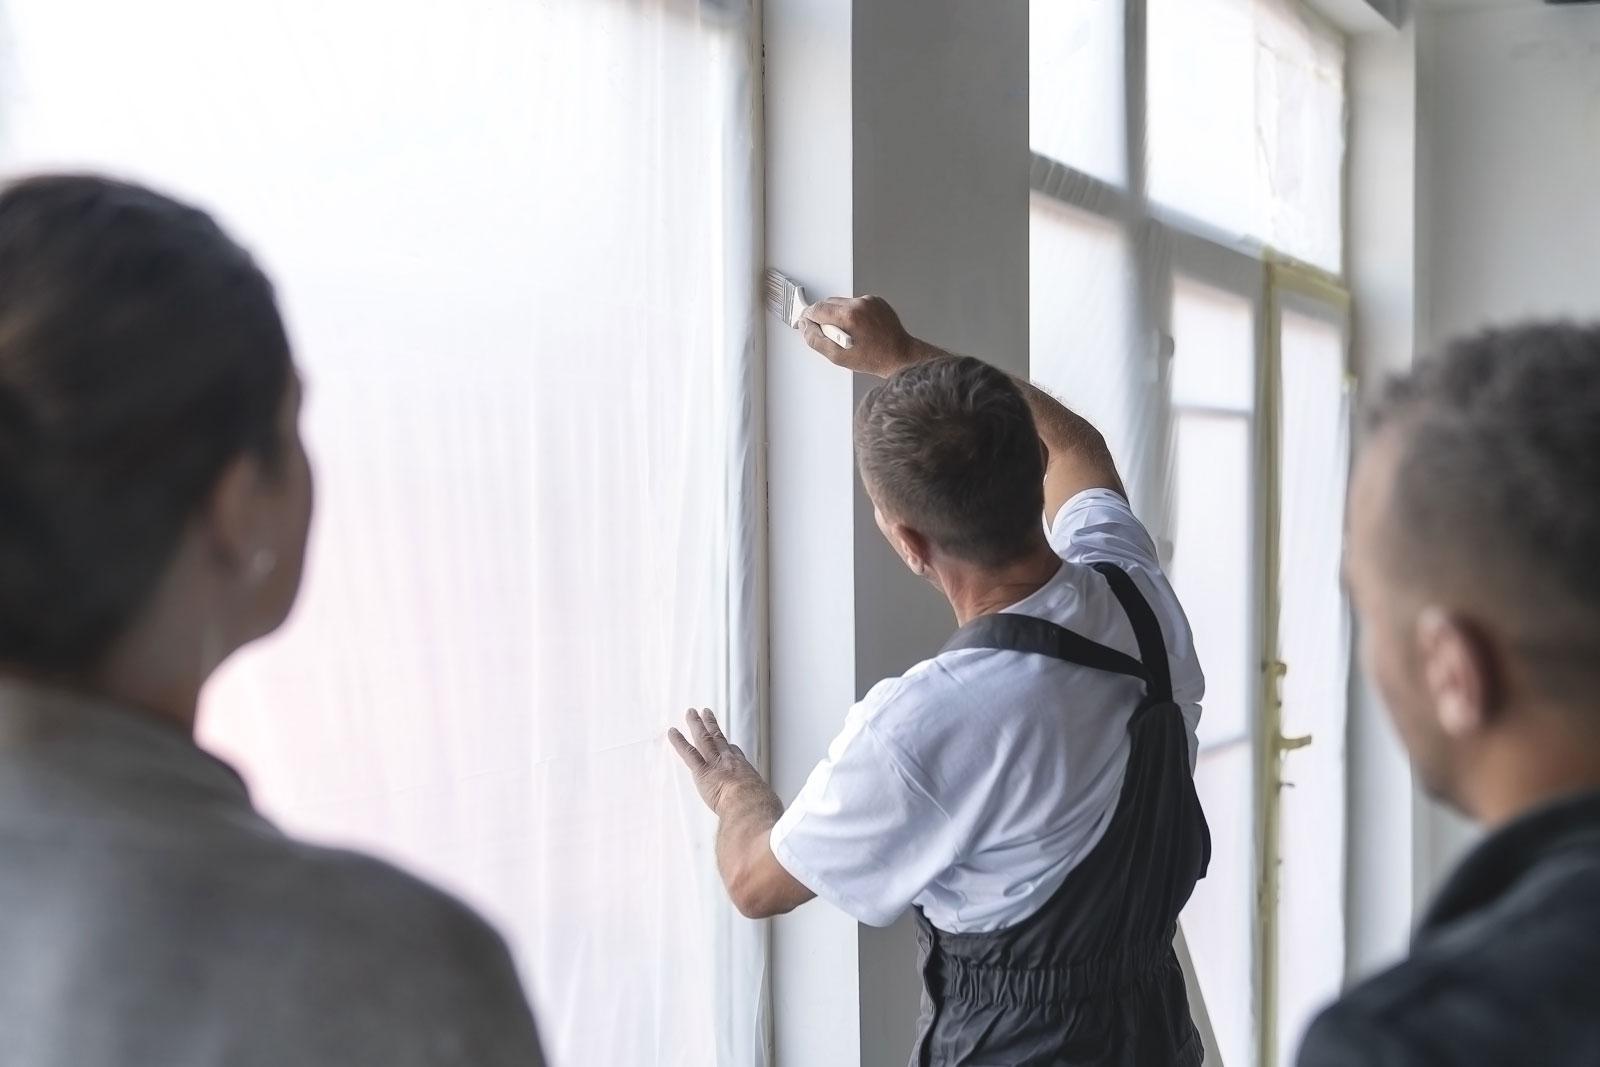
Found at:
<point>1024,633</point>
<point>1146,629</point>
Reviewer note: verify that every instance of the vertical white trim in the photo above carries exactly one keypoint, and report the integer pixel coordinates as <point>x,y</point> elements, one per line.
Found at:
<point>745,1037</point>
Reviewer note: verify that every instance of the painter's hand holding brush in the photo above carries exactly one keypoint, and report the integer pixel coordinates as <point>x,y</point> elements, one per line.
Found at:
<point>881,346</point>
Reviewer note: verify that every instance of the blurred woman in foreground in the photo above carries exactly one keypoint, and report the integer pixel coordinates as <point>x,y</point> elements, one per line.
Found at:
<point>154,503</point>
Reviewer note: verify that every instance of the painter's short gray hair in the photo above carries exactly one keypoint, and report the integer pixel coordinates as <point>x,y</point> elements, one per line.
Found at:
<point>950,446</point>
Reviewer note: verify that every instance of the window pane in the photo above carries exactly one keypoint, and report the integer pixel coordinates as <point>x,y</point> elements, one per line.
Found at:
<point>1246,123</point>
<point>1213,367</point>
<point>1314,643</point>
<point>1211,565</point>
<point>1214,572</point>
<point>1300,79</point>
<point>1202,111</point>
<point>1218,923</point>
<point>1075,78</point>
<point>1081,291</point>
<point>1214,346</point>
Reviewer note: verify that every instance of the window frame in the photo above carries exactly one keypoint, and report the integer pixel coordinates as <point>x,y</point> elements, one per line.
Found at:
<point>1310,292</point>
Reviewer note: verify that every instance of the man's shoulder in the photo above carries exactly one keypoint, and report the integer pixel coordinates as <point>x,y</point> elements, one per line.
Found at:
<point>908,707</point>
<point>934,681</point>
<point>1347,1034</point>
<point>1421,1016</point>
<point>1380,1021</point>
<point>1509,984</point>
<point>936,707</point>
<point>951,682</point>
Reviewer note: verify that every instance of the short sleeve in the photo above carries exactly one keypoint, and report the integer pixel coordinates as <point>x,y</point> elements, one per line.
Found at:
<point>1098,525</point>
<point>864,834</point>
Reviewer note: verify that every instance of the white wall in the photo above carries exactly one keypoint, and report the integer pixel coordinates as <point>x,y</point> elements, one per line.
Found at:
<point>1508,199</point>
<point>897,164</point>
<point>811,519</point>
<point>941,169</point>
<point>1510,104</point>
<point>1383,269</point>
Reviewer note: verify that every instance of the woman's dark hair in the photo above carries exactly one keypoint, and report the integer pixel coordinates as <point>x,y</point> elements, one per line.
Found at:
<point>951,447</point>
<point>141,351</point>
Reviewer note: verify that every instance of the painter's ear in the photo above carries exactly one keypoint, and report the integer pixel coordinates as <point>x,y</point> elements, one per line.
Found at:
<point>912,546</point>
<point>1457,673</point>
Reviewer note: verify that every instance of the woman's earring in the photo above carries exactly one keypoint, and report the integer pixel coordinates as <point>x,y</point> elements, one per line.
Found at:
<point>262,564</point>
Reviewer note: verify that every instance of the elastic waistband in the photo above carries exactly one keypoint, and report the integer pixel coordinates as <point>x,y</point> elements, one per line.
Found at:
<point>975,979</point>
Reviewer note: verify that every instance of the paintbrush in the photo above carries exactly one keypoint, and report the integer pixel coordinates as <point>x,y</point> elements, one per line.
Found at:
<point>787,300</point>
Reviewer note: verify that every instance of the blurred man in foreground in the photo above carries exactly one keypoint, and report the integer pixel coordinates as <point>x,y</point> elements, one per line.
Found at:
<point>1474,563</point>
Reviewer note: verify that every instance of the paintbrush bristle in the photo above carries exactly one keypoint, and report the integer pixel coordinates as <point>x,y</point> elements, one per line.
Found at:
<point>780,296</point>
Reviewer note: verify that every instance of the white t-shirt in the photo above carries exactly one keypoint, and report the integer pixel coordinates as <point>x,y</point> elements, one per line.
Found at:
<point>973,784</point>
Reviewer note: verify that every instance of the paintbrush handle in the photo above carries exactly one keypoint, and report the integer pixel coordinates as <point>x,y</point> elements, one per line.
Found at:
<point>838,336</point>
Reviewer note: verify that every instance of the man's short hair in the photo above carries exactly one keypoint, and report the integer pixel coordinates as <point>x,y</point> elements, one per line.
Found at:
<point>950,448</point>
<point>1498,476</point>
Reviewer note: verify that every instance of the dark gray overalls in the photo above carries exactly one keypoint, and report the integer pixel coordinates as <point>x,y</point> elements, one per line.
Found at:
<point>1091,977</point>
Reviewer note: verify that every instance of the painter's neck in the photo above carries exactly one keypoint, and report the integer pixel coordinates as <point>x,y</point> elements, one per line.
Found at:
<point>985,592</point>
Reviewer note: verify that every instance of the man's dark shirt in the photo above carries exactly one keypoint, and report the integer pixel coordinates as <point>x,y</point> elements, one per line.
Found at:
<point>1505,969</point>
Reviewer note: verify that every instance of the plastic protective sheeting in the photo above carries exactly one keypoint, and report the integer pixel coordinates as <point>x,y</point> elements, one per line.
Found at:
<point>1220,919</point>
<point>1314,641</point>
<point>1076,109</point>
<point>515,246</point>
<point>1246,106</point>
<point>1214,461</point>
<point>1081,280</point>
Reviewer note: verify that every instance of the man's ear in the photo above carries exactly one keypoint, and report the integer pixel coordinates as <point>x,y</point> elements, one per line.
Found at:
<point>1458,672</point>
<point>913,547</point>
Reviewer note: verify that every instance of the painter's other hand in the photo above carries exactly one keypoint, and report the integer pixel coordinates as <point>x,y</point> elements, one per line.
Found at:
<point>881,344</point>
<point>719,768</point>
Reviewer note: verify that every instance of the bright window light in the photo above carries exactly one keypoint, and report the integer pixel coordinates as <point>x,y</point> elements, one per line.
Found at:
<point>1081,291</point>
<point>1246,122</point>
<point>1075,96</point>
<point>1313,639</point>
